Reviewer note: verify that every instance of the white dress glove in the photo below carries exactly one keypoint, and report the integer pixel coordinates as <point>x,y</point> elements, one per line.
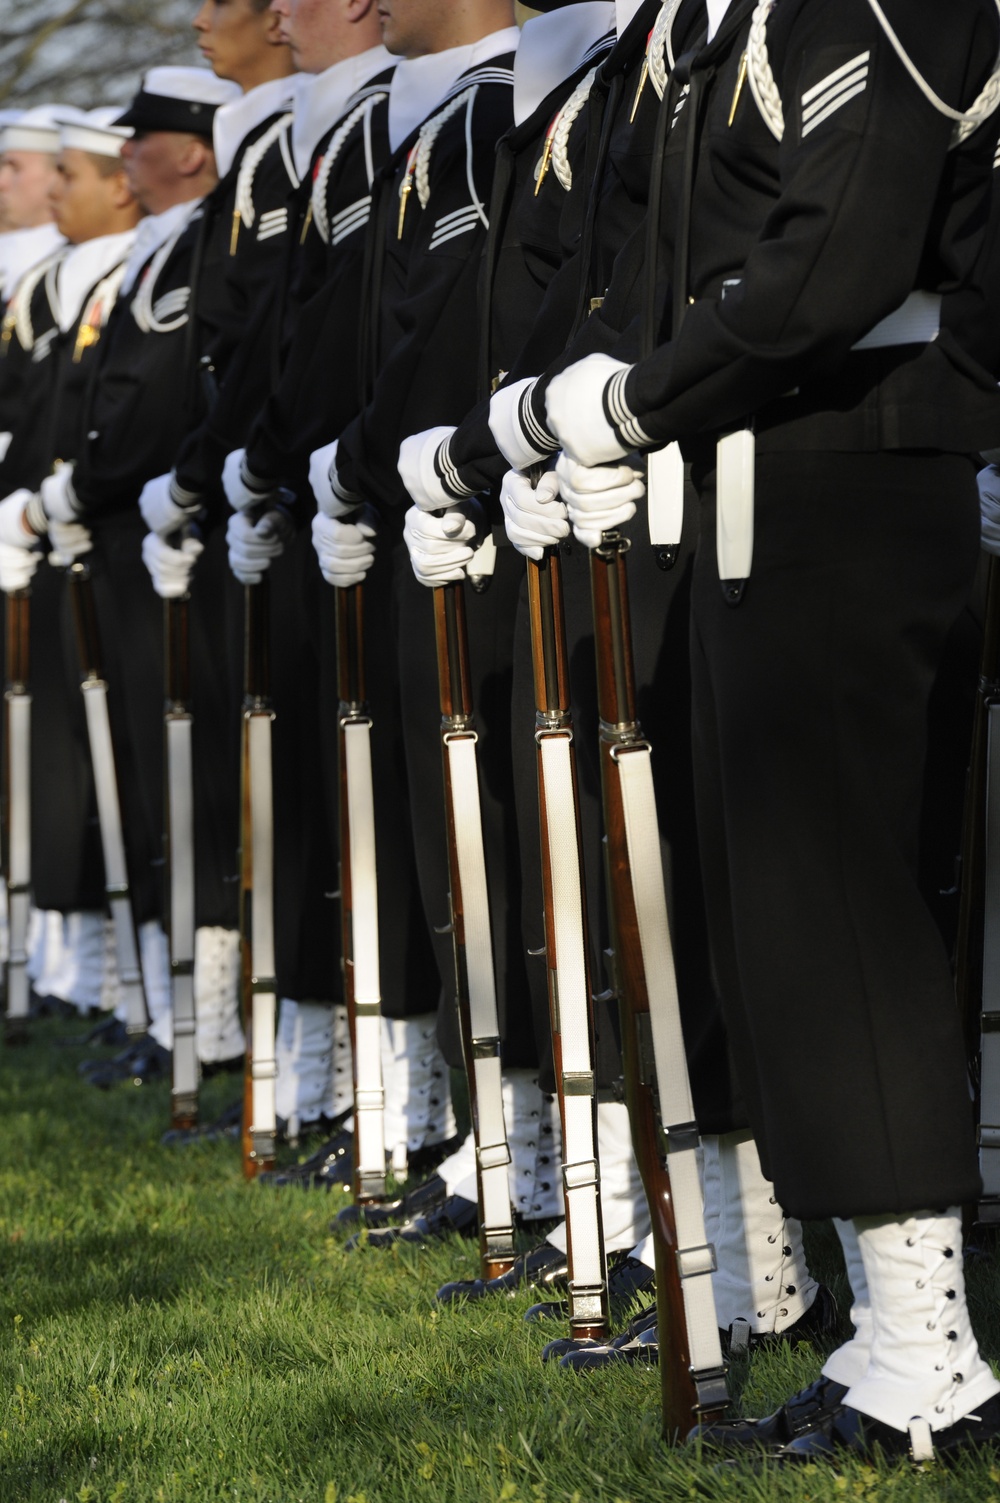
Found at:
<point>534,516</point>
<point>59,500</point>
<point>440,547</point>
<point>14,532</point>
<point>431,480</point>
<point>17,567</point>
<point>70,540</point>
<point>170,568</point>
<point>598,498</point>
<point>165,505</point>
<point>244,489</point>
<point>332,498</point>
<point>574,403</point>
<point>989,508</point>
<point>516,431</point>
<point>345,546</point>
<point>253,546</point>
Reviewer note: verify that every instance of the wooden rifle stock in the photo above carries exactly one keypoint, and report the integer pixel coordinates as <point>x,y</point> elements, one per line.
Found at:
<point>116,883</point>
<point>480,1041</point>
<point>256,905</point>
<point>970,980</point>
<point>688,1397</point>
<point>17,807</point>
<point>178,722</point>
<point>358,897</point>
<point>566,924</point>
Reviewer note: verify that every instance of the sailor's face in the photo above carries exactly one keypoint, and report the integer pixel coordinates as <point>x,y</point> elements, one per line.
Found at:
<point>410,27</point>
<point>80,196</point>
<point>25,180</point>
<point>231,35</point>
<point>153,166</point>
<point>315,30</point>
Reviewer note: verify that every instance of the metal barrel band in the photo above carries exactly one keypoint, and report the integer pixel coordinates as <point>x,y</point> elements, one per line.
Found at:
<point>499,1241</point>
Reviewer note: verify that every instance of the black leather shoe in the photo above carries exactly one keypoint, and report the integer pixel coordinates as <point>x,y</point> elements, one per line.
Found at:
<point>566,1344</point>
<point>456,1214</point>
<point>416,1202</point>
<point>544,1267</point>
<point>332,1163</point>
<point>147,1062</point>
<point>820,1323</point>
<point>229,1124</point>
<point>850,1433</point>
<point>804,1412</point>
<point>50,1007</point>
<point>231,1066</point>
<point>641,1351</point>
<point>111,1034</point>
<point>627,1280</point>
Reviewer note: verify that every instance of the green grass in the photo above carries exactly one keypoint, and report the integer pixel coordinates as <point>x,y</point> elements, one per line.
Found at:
<point>171,1334</point>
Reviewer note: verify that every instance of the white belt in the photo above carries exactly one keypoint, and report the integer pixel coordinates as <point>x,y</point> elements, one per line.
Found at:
<point>917,321</point>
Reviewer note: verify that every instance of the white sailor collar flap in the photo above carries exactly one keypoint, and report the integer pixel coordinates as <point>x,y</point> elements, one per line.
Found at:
<point>234,122</point>
<point>553,46</point>
<point>23,250</point>
<point>421,84</point>
<point>153,232</point>
<point>80,269</point>
<point>321,102</point>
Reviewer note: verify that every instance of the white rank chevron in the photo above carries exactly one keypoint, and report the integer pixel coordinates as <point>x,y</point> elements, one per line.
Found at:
<point>354,217</point>
<point>458,222</point>
<point>171,303</point>
<point>274,222</point>
<point>834,91</point>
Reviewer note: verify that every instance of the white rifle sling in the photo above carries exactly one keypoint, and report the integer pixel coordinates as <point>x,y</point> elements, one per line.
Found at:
<point>665,496</point>
<point>369,1097</point>
<point>734,481</point>
<point>695,1256</point>
<point>989,1105</point>
<point>492,1151</point>
<point>264,1068</point>
<point>581,1174</point>
<point>95,699</point>
<point>19,850</point>
<point>180,830</point>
